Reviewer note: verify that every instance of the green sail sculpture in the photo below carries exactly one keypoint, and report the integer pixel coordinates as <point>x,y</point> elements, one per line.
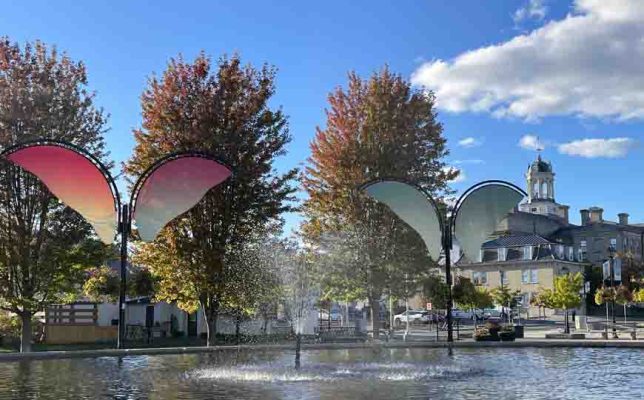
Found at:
<point>413,207</point>
<point>479,213</point>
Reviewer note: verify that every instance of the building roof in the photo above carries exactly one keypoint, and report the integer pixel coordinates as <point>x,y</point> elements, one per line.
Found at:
<point>515,241</point>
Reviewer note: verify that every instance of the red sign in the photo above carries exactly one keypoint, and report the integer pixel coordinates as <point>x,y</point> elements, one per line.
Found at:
<point>429,306</point>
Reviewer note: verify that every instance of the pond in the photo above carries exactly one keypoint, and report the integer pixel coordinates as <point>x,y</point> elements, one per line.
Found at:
<point>525,373</point>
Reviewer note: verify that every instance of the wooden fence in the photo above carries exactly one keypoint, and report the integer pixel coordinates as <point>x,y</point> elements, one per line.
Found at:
<point>72,314</point>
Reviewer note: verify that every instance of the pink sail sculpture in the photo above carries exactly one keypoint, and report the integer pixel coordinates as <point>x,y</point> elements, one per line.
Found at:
<point>173,188</point>
<point>76,181</point>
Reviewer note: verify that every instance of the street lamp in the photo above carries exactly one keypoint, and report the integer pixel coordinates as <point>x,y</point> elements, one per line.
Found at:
<point>473,217</point>
<point>169,187</point>
<point>611,265</point>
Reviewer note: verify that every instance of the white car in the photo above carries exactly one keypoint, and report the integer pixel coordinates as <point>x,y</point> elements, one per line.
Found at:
<point>414,316</point>
<point>461,314</point>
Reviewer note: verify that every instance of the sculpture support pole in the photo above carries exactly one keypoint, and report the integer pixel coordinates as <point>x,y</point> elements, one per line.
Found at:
<point>447,248</point>
<point>124,228</point>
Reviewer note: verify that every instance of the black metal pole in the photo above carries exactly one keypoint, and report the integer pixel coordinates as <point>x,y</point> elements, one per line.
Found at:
<point>447,248</point>
<point>124,229</point>
<point>612,286</point>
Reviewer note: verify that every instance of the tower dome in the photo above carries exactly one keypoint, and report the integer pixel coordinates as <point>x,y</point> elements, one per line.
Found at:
<point>540,180</point>
<point>540,166</point>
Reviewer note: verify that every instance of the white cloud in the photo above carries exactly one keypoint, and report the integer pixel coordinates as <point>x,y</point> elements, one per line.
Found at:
<point>459,178</point>
<point>530,142</point>
<point>533,9</point>
<point>587,64</point>
<point>469,142</point>
<point>595,148</point>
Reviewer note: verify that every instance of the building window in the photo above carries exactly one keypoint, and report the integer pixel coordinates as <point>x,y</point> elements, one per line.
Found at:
<point>613,243</point>
<point>560,251</point>
<point>582,251</point>
<point>571,254</point>
<point>502,253</point>
<point>479,278</point>
<point>535,190</point>
<point>544,190</point>
<point>529,276</point>
<point>504,277</point>
<point>527,252</point>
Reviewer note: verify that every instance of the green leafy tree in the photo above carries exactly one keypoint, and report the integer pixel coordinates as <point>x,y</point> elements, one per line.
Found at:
<point>103,283</point>
<point>45,247</point>
<point>505,297</point>
<point>623,297</point>
<point>436,290</point>
<point>222,110</point>
<point>375,128</point>
<point>638,296</point>
<point>565,294</point>
<point>470,297</point>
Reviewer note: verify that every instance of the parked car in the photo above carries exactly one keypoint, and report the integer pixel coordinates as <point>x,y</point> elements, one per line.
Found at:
<point>488,313</point>
<point>461,314</point>
<point>414,316</point>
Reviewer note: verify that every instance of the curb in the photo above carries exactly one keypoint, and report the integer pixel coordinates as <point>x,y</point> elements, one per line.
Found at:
<point>529,343</point>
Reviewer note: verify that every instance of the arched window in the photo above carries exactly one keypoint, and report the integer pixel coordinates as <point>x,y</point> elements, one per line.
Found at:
<point>535,190</point>
<point>544,190</point>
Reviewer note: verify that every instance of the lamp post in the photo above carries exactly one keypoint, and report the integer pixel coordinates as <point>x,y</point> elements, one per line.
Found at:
<point>611,263</point>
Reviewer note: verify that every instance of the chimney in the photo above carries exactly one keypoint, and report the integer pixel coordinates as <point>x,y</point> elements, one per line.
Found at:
<point>623,218</point>
<point>585,218</point>
<point>596,214</point>
<point>566,210</point>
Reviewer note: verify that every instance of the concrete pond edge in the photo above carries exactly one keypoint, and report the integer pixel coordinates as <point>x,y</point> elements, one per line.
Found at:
<point>540,343</point>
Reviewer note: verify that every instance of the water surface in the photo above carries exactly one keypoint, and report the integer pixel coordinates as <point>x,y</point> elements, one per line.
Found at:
<point>526,373</point>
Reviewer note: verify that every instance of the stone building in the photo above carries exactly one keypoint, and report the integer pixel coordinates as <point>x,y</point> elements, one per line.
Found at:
<point>536,241</point>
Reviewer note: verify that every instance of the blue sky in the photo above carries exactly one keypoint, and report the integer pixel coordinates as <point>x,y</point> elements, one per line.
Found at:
<point>566,72</point>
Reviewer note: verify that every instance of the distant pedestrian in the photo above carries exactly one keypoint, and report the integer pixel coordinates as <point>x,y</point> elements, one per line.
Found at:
<point>574,313</point>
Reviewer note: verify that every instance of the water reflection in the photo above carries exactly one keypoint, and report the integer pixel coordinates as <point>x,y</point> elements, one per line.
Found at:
<point>336,374</point>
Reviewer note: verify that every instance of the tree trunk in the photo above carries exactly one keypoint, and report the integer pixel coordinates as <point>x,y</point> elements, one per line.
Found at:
<point>25,334</point>
<point>375,318</point>
<point>298,346</point>
<point>265,325</point>
<point>567,328</point>
<point>211,326</point>
<point>624,312</point>
<point>237,328</point>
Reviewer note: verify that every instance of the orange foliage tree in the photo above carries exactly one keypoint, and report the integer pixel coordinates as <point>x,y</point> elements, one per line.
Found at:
<point>379,127</point>
<point>223,112</point>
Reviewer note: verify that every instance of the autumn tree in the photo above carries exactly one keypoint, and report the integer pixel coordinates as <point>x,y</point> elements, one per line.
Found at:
<point>102,284</point>
<point>223,111</point>
<point>375,128</point>
<point>45,247</point>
